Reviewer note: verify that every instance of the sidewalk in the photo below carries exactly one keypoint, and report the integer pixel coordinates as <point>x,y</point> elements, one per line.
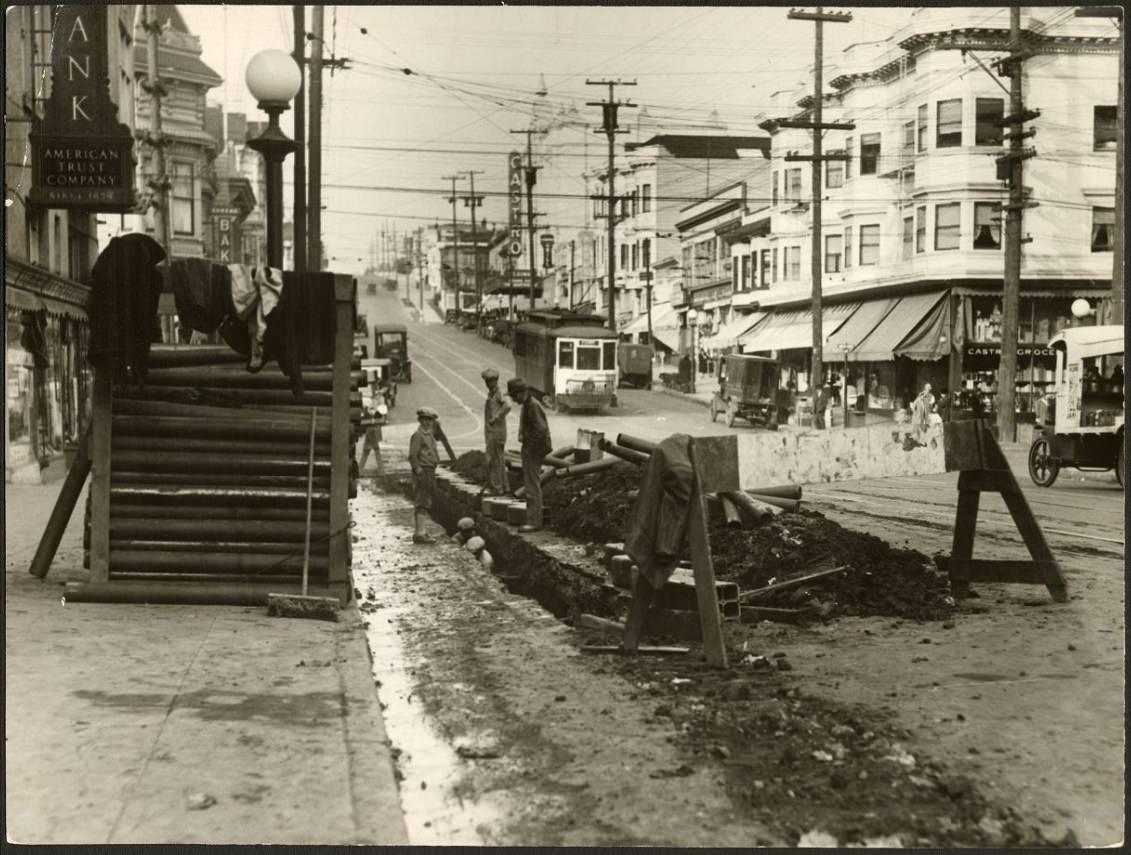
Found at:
<point>123,719</point>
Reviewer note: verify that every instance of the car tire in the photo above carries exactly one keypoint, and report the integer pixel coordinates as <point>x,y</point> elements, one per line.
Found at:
<point>1042,468</point>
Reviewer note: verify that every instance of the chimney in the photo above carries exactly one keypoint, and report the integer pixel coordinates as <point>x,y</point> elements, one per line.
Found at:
<point>237,128</point>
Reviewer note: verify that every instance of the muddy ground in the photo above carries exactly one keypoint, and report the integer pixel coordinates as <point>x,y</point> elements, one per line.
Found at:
<point>857,730</point>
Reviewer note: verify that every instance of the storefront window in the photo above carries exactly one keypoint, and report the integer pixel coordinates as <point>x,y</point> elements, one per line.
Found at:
<point>19,395</point>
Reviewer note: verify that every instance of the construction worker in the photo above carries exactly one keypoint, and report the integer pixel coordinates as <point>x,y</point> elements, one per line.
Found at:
<point>534,436</point>
<point>465,530</point>
<point>423,458</point>
<point>495,410</point>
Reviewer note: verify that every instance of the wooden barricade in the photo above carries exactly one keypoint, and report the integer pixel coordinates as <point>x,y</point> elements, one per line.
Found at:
<point>199,479</point>
<point>744,461</point>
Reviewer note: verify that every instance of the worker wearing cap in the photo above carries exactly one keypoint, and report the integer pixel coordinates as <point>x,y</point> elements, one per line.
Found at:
<point>534,435</point>
<point>495,411</point>
<point>423,458</point>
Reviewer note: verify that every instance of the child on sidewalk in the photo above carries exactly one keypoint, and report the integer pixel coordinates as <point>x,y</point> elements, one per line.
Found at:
<point>423,458</point>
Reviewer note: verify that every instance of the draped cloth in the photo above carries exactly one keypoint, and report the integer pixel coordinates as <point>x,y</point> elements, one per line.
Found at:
<point>657,532</point>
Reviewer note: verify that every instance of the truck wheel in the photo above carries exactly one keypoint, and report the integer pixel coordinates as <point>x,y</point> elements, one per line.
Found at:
<point>1043,469</point>
<point>732,413</point>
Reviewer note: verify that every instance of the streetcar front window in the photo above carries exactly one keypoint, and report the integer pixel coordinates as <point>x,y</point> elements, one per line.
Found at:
<point>610,355</point>
<point>565,354</point>
<point>588,358</point>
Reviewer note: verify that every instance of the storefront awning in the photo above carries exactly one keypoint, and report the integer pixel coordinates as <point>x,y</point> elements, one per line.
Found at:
<point>881,343</point>
<point>663,315</point>
<point>793,330</point>
<point>732,330</point>
<point>859,326</point>
<point>931,338</point>
<point>668,337</point>
<point>28,302</point>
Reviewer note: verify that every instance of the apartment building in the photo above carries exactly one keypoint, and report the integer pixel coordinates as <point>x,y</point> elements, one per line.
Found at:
<point>912,220</point>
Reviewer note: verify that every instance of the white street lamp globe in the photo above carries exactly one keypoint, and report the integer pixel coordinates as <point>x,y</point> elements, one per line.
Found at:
<point>273,77</point>
<point>692,317</point>
<point>1081,308</point>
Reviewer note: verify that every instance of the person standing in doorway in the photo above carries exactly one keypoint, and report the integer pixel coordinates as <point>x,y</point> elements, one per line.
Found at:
<point>824,400</point>
<point>534,436</point>
<point>423,458</point>
<point>921,409</point>
<point>495,410</point>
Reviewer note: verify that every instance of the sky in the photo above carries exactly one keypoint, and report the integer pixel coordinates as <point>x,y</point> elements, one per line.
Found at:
<point>390,137</point>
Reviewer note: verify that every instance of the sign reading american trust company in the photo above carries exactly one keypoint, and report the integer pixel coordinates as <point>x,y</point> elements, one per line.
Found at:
<point>82,156</point>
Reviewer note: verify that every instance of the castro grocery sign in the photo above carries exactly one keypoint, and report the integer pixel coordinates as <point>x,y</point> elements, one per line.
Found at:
<point>514,206</point>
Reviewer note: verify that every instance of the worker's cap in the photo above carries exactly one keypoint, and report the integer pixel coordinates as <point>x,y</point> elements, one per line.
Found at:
<point>490,374</point>
<point>475,544</point>
<point>516,384</point>
<point>427,413</point>
<point>465,524</point>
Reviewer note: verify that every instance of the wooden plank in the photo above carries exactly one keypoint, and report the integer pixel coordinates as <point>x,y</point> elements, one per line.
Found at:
<point>641,650</point>
<point>962,445</point>
<point>344,294</point>
<point>100,443</point>
<point>986,570</point>
<point>716,462</point>
<point>1027,524</point>
<point>64,507</point>
<point>714,647</point>
<point>965,526</point>
<point>990,480</point>
<point>792,583</point>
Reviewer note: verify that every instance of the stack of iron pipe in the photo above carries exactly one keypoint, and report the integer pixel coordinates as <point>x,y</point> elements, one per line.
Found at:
<point>216,490</point>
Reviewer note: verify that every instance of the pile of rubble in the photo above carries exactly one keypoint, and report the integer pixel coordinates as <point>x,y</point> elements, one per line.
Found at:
<point>876,578</point>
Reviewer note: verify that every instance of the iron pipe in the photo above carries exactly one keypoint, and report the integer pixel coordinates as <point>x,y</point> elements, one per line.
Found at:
<point>636,443</point>
<point>207,591</point>
<point>628,454</point>
<point>170,560</point>
<point>171,445</point>
<point>228,378</point>
<point>239,398</point>
<point>215,479</point>
<point>226,546</point>
<point>214,496</point>
<point>730,512</point>
<point>244,531</point>
<point>586,468</point>
<point>231,464</point>
<point>150,407</point>
<point>758,512</point>
<point>182,356</point>
<point>230,428</point>
<point>776,501</point>
<point>218,513</point>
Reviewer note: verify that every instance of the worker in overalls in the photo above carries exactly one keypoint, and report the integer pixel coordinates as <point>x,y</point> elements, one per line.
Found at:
<point>495,410</point>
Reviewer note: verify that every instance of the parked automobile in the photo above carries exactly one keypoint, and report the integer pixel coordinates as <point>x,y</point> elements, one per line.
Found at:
<point>390,341</point>
<point>1080,424</point>
<point>748,389</point>
<point>634,365</point>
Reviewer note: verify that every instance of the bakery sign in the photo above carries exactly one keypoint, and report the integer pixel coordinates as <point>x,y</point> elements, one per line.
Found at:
<point>82,156</point>
<point>225,223</point>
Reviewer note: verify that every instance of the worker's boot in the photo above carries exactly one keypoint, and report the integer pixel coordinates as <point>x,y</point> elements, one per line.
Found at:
<point>419,535</point>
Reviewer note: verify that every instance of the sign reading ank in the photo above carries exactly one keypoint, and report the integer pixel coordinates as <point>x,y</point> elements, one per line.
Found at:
<point>82,156</point>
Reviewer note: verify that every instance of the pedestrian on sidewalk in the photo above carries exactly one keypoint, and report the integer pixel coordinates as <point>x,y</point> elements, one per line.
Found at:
<point>921,409</point>
<point>423,458</point>
<point>495,410</point>
<point>372,420</point>
<point>534,436</point>
<point>824,402</point>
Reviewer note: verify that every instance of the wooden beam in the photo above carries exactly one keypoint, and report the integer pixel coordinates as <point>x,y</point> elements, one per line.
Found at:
<point>100,444</point>
<point>345,288</point>
<point>714,647</point>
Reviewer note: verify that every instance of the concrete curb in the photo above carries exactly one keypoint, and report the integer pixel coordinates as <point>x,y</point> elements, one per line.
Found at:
<point>672,393</point>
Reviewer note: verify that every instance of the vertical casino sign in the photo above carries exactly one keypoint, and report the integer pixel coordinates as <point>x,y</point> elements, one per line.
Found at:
<point>514,204</point>
<point>82,156</point>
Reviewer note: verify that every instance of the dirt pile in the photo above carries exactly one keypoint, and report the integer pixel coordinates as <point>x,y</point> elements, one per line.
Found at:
<point>817,771</point>
<point>472,465</point>
<point>593,508</point>
<point>883,581</point>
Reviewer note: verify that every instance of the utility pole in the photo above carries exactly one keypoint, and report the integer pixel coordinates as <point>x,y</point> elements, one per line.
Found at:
<point>161,182</point>
<point>314,215</point>
<point>572,247</point>
<point>298,226</point>
<point>455,243</point>
<point>1011,291</point>
<point>816,368</point>
<point>610,129</point>
<point>1115,301</point>
<point>531,172</point>
<point>472,201</point>
<point>420,264</point>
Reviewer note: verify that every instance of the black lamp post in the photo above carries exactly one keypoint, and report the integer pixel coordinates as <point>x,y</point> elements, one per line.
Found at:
<point>273,78</point>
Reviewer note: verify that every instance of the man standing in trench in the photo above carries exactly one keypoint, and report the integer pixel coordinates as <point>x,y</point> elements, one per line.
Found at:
<point>534,435</point>
<point>495,411</point>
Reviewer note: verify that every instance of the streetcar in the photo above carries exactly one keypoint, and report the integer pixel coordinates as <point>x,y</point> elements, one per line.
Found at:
<point>569,360</point>
<point>1080,425</point>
